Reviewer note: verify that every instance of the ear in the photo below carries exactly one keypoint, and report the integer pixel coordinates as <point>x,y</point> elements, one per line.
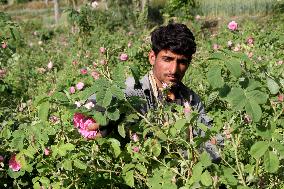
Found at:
<point>152,57</point>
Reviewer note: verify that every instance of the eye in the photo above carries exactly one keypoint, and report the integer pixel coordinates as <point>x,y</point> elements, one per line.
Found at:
<point>167,59</point>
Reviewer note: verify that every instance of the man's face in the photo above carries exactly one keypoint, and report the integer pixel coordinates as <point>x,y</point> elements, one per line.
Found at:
<point>168,67</point>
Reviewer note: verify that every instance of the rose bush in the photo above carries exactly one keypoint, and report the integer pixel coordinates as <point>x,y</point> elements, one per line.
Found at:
<point>47,143</point>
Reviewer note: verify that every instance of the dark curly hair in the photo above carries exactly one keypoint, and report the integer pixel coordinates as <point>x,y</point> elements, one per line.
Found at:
<point>174,37</point>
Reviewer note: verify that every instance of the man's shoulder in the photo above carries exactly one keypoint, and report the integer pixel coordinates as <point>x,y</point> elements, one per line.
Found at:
<point>188,93</point>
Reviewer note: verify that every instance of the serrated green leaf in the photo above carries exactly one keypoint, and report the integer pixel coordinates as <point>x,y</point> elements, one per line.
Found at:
<point>121,130</point>
<point>129,178</point>
<point>254,110</point>
<point>115,144</point>
<point>258,149</point>
<point>196,172</point>
<point>279,147</point>
<point>206,178</point>
<point>100,118</point>
<point>257,96</point>
<point>253,84</point>
<point>205,159</point>
<point>119,76</point>
<point>117,92</point>
<point>271,162</point>
<point>272,86</point>
<point>141,168</point>
<point>107,98</point>
<point>67,165</point>
<point>43,110</point>
<point>113,114</point>
<point>179,124</point>
<point>156,149</point>
<point>79,164</point>
<point>237,98</point>
<point>229,177</point>
<point>214,76</point>
<point>234,67</point>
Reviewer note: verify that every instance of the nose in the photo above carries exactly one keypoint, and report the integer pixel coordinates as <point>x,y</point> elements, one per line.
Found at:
<point>173,67</point>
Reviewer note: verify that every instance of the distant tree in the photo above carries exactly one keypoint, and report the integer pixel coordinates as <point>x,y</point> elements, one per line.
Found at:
<point>56,11</point>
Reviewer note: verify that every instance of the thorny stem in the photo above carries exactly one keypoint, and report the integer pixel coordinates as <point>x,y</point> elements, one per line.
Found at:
<point>237,159</point>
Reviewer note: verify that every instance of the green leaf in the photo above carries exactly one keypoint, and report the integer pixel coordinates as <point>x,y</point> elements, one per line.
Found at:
<point>59,96</point>
<point>119,76</point>
<point>100,118</point>
<point>179,124</point>
<point>271,162</point>
<point>253,84</point>
<point>272,86</point>
<point>237,98</point>
<point>205,159</point>
<point>117,92</point>
<point>67,165</point>
<point>115,144</point>
<point>257,96</point>
<point>141,168</point>
<point>279,147</point>
<point>156,148</point>
<point>206,178</point>
<point>235,67</point>
<point>113,114</point>
<point>229,177</point>
<point>196,172</point>
<point>254,110</point>
<point>107,98</point>
<point>79,164</point>
<point>129,178</point>
<point>214,76</point>
<point>43,110</point>
<point>218,56</point>
<point>121,130</point>
<point>258,149</point>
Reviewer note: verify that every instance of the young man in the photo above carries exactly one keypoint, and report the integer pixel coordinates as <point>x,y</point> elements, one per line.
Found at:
<point>172,49</point>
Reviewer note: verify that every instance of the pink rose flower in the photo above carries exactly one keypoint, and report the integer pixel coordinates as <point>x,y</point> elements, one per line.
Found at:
<point>95,75</point>
<point>102,50</point>
<point>84,71</point>
<point>197,17</point>
<point>135,149</point>
<point>74,62</point>
<point>14,164</point>
<point>233,26</point>
<point>80,86</point>
<point>216,47</point>
<point>4,45</point>
<point>129,44</point>
<point>250,41</point>
<point>47,151</point>
<point>280,62</point>
<point>103,62</point>
<point>82,123</point>
<point>123,57</point>
<point>2,73</point>
<point>50,65</point>
<point>280,97</point>
<point>250,54</point>
<point>135,137</point>
<point>72,90</point>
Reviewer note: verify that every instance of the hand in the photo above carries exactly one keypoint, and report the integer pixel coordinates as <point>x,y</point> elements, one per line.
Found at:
<point>95,127</point>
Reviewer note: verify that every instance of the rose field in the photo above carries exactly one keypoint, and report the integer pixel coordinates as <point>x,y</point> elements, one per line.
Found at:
<point>49,69</point>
